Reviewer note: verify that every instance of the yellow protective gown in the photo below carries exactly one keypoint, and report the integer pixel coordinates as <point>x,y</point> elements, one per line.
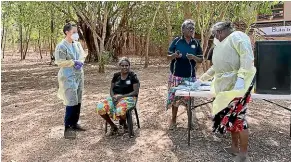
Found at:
<point>232,58</point>
<point>71,80</point>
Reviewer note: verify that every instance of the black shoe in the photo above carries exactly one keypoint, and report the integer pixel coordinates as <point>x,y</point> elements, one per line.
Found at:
<point>78,128</point>
<point>70,133</point>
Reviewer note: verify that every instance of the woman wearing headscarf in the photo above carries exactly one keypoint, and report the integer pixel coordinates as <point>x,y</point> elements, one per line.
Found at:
<point>233,72</point>
<point>123,95</point>
<point>70,57</point>
<point>185,51</point>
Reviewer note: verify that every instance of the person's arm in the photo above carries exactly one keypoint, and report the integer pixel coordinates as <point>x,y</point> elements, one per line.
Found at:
<point>83,55</point>
<point>60,57</point>
<point>111,90</point>
<point>208,74</point>
<point>245,51</point>
<point>195,58</point>
<point>172,54</point>
<point>113,84</point>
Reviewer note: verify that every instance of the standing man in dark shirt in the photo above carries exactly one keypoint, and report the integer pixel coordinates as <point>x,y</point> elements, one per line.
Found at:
<point>123,94</point>
<point>185,51</point>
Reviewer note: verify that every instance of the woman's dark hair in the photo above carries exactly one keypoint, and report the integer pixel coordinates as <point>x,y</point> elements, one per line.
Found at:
<point>124,59</point>
<point>68,27</point>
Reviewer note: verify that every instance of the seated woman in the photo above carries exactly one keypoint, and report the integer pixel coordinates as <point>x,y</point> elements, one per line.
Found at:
<point>123,93</point>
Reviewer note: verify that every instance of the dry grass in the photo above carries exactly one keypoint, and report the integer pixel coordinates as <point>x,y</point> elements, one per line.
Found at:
<point>32,121</point>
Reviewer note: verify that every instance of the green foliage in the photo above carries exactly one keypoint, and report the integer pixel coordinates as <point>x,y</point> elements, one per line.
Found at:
<point>36,17</point>
<point>106,57</point>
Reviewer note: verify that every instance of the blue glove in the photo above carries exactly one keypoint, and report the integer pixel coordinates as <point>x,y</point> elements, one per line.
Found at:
<point>240,84</point>
<point>196,84</point>
<point>78,65</point>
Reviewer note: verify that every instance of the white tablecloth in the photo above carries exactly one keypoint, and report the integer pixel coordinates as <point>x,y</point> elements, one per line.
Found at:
<point>208,94</point>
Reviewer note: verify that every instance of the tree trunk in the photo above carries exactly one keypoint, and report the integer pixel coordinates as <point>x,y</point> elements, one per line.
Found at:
<point>148,38</point>
<point>168,21</point>
<point>13,45</point>
<point>51,36</point>
<point>187,10</point>
<point>101,52</point>
<point>4,42</point>
<point>3,29</point>
<point>27,39</point>
<point>21,47</point>
<point>39,45</point>
<point>140,47</point>
<point>46,45</point>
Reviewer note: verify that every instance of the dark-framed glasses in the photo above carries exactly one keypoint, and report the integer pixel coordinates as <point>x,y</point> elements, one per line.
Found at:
<point>124,65</point>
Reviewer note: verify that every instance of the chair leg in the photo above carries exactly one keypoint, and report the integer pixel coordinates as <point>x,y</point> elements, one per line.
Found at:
<point>130,124</point>
<point>137,119</point>
<point>106,124</point>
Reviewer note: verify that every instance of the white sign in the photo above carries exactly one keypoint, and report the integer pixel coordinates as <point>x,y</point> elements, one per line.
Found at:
<point>276,30</point>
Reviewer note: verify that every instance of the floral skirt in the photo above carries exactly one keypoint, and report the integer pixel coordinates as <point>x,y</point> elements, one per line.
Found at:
<point>115,111</point>
<point>173,100</point>
<point>231,119</point>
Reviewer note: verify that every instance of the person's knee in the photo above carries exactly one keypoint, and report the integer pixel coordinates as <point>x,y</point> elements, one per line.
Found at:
<point>101,110</point>
<point>121,112</point>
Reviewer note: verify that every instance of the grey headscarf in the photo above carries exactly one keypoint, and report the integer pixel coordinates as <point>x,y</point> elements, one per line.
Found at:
<point>187,23</point>
<point>221,26</point>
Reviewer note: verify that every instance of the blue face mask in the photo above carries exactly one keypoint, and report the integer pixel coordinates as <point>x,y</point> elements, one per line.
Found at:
<point>75,36</point>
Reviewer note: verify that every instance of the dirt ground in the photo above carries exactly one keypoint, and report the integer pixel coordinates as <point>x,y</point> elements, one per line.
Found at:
<point>32,121</point>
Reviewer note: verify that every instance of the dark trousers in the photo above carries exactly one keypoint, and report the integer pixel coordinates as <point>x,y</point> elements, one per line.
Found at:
<point>72,115</point>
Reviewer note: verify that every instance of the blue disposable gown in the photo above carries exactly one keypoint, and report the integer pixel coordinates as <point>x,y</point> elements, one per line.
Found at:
<point>71,80</point>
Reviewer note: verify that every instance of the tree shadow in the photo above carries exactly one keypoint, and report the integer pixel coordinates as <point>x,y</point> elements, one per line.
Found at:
<point>268,141</point>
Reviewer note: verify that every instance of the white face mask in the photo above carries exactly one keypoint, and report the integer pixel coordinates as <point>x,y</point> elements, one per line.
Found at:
<point>216,41</point>
<point>75,36</point>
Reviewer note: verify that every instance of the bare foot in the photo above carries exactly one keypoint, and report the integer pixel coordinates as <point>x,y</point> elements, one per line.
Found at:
<point>231,150</point>
<point>242,158</point>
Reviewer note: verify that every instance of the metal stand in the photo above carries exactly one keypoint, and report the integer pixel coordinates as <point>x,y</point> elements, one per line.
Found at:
<point>191,107</point>
<point>286,108</point>
<point>189,112</point>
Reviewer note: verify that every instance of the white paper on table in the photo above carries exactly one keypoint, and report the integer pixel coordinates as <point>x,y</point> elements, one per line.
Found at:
<point>204,88</point>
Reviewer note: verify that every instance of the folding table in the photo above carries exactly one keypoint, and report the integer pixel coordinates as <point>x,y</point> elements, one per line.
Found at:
<point>208,94</point>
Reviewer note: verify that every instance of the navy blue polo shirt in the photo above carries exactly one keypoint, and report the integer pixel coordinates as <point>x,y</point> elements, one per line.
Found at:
<point>183,65</point>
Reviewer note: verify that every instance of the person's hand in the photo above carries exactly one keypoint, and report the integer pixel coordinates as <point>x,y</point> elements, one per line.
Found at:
<point>78,64</point>
<point>78,67</point>
<point>240,84</point>
<point>190,56</point>
<point>197,83</point>
<point>177,54</point>
<point>117,97</point>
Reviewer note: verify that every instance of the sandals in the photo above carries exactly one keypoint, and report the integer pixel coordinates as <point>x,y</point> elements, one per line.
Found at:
<point>173,126</point>
<point>112,132</point>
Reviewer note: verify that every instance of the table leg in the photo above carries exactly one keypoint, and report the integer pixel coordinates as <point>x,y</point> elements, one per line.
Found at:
<point>189,119</point>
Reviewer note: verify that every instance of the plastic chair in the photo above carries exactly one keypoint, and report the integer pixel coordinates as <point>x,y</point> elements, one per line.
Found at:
<point>129,118</point>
